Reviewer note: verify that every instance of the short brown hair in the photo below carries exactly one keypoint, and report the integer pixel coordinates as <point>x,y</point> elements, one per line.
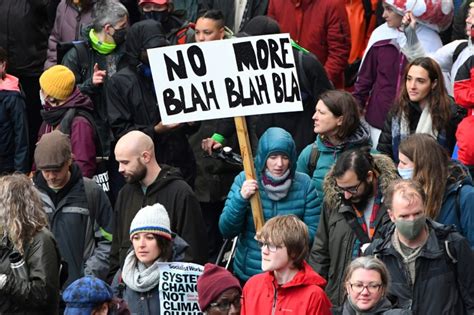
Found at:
<point>408,188</point>
<point>342,103</point>
<point>290,231</point>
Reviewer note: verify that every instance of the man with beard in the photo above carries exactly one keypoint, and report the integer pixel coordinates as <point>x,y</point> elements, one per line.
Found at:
<point>149,183</point>
<point>430,264</point>
<point>352,215</point>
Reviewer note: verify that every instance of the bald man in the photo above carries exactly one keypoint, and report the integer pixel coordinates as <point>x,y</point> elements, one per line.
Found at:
<point>146,184</point>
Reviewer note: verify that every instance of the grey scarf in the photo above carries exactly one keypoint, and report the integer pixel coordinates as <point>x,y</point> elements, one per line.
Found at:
<point>276,187</point>
<point>137,276</point>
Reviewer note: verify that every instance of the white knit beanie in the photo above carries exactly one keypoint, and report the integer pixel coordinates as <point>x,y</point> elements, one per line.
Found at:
<point>152,219</point>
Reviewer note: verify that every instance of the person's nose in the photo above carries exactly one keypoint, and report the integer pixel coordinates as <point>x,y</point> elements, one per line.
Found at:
<point>120,168</point>
<point>200,37</point>
<point>347,195</point>
<point>234,310</point>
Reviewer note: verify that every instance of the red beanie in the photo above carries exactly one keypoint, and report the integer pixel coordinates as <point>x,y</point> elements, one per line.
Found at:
<point>212,283</point>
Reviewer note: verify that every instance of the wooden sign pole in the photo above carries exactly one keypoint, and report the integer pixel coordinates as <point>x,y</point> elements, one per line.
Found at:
<point>249,168</point>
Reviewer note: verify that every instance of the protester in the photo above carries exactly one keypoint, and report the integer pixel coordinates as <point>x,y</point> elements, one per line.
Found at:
<point>328,38</point>
<point>236,14</point>
<point>353,214</point>
<point>219,292</point>
<point>282,190</point>
<point>288,283</point>
<point>423,106</point>
<point>380,75</point>
<point>152,242</point>
<point>63,105</point>
<point>24,31</point>
<point>338,128</point>
<point>211,26</point>
<point>23,229</point>
<point>92,296</point>
<point>176,30</point>
<point>72,16</point>
<point>366,284</point>
<point>149,183</point>
<point>78,210</point>
<point>101,56</point>
<point>446,181</point>
<point>13,123</point>
<point>429,263</point>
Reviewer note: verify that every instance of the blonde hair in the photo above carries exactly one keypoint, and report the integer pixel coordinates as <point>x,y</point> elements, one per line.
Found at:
<point>21,210</point>
<point>290,231</point>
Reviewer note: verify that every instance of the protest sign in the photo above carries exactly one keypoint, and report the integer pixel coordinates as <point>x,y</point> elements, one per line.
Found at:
<point>178,288</point>
<point>225,78</point>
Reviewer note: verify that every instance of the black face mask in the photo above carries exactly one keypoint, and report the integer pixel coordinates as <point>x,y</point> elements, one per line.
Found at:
<point>119,35</point>
<point>159,16</point>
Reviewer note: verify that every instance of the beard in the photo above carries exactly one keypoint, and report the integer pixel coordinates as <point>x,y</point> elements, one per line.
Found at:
<point>136,176</point>
<point>360,201</point>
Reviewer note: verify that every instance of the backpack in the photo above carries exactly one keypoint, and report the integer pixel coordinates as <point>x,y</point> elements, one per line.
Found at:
<point>313,159</point>
<point>82,49</point>
<point>458,51</point>
<point>182,33</point>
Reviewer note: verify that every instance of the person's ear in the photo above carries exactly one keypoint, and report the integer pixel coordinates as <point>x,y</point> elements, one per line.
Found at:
<point>340,120</point>
<point>391,215</point>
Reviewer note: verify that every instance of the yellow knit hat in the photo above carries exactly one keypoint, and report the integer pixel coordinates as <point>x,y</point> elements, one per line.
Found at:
<point>58,82</point>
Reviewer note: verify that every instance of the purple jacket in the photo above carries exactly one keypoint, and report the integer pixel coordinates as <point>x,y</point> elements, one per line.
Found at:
<point>82,131</point>
<point>67,27</point>
<point>379,80</point>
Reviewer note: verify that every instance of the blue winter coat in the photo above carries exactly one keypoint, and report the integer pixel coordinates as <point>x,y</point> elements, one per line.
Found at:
<point>236,218</point>
<point>458,202</point>
<point>328,156</point>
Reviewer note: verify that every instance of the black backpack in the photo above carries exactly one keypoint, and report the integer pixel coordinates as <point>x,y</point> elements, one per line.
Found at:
<point>82,49</point>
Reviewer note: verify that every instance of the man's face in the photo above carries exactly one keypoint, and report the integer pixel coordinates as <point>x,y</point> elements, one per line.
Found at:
<point>207,30</point>
<point>355,190</point>
<point>469,21</point>
<point>406,205</point>
<point>57,178</point>
<point>130,166</point>
<point>228,303</point>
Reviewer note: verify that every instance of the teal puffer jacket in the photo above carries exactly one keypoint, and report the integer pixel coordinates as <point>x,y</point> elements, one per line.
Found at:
<point>236,218</point>
<point>328,156</point>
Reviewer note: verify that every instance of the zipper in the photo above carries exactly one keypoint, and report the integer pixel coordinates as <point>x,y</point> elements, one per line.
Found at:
<point>275,296</point>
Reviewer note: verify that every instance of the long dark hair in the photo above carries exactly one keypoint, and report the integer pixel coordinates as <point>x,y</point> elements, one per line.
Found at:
<point>438,99</point>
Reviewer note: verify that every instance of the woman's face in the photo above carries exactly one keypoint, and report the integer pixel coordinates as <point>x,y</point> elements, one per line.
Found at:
<point>325,123</point>
<point>418,84</point>
<point>365,288</point>
<point>277,164</point>
<point>405,162</point>
<point>393,19</point>
<point>146,248</point>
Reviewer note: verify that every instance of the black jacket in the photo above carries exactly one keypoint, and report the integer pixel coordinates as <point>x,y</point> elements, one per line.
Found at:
<point>388,144</point>
<point>441,286</point>
<point>40,295</point>
<point>13,133</point>
<point>170,190</point>
<point>24,31</point>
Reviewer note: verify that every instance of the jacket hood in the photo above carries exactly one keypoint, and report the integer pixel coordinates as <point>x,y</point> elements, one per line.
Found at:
<point>76,100</point>
<point>141,36</point>
<point>458,175</point>
<point>388,173</point>
<point>167,175</point>
<point>360,137</point>
<point>275,140</point>
<point>306,276</point>
<point>10,83</point>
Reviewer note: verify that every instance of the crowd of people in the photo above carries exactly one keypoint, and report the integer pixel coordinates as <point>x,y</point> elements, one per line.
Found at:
<point>367,195</point>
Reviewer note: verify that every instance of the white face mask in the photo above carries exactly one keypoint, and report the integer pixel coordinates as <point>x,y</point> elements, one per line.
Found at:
<point>406,173</point>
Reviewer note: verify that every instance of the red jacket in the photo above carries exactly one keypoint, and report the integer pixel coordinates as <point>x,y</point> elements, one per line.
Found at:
<point>321,26</point>
<point>302,295</point>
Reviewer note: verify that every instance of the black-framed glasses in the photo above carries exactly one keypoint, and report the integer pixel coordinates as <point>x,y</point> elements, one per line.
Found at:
<point>352,189</point>
<point>358,287</point>
<point>271,247</point>
<point>224,306</point>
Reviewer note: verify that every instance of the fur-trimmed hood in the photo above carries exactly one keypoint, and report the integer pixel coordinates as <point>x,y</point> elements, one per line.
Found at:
<point>388,173</point>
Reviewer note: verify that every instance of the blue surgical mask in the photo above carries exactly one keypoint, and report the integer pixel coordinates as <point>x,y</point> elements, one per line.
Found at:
<point>406,173</point>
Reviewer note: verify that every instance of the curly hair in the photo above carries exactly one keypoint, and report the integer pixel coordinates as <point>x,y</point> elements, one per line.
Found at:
<point>21,210</point>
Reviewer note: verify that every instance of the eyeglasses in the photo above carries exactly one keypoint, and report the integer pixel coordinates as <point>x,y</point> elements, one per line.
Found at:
<point>371,287</point>
<point>271,247</point>
<point>224,306</point>
<point>352,189</point>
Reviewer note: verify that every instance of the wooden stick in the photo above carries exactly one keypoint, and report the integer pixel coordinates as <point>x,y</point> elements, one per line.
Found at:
<point>249,168</point>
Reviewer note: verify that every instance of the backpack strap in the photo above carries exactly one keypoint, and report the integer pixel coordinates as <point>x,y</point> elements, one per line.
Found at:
<point>89,186</point>
<point>82,49</point>
<point>313,159</point>
<point>356,228</point>
<point>458,203</point>
<point>458,51</point>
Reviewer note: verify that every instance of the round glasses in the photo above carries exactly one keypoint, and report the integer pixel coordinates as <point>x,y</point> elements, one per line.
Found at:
<point>224,306</point>
<point>371,287</point>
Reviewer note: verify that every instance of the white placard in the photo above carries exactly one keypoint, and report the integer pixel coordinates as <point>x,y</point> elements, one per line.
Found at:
<point>178,288</point>
<point>225,78</point>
